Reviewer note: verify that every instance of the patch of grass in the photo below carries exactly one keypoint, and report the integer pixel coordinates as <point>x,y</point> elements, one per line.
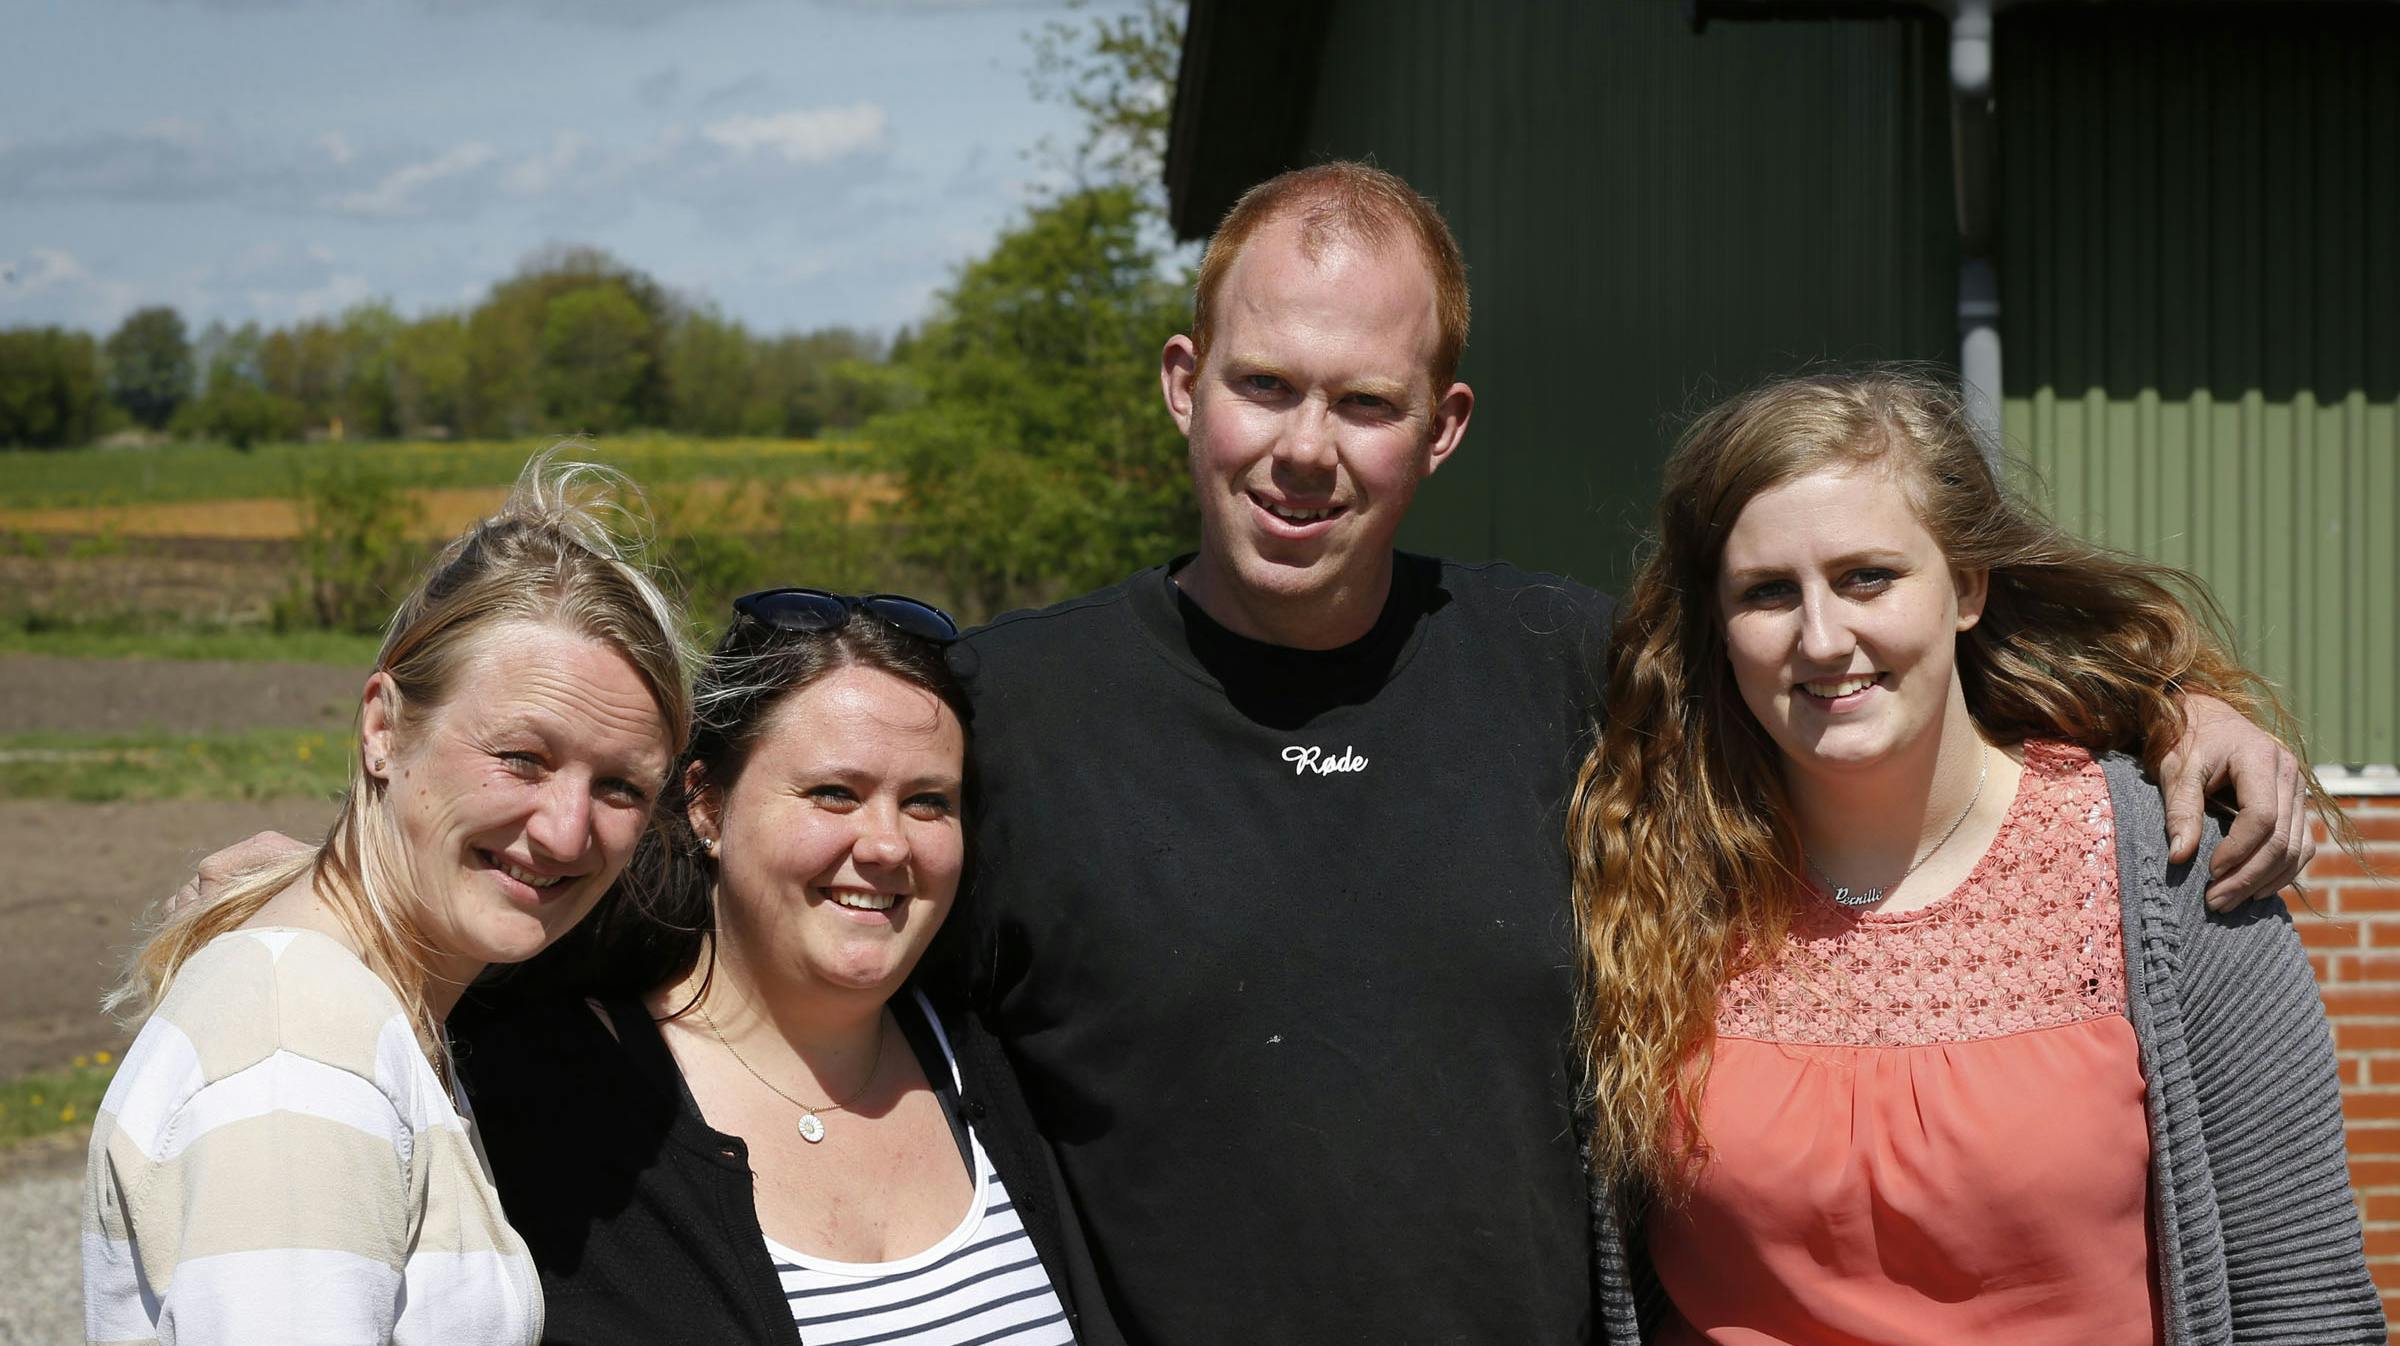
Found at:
<point>102,768</point>
<point>54,1100</point>
<point>82,478</point>
<point>106,542</point>
<point>248,644</point>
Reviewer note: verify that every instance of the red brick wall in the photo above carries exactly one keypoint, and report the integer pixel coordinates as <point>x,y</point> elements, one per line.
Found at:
<point>2353,937</point>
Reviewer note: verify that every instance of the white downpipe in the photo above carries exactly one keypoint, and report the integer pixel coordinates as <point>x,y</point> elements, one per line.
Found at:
<point>1978,281</point>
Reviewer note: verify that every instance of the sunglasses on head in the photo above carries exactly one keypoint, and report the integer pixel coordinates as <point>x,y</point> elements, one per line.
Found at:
<point>819,610</point>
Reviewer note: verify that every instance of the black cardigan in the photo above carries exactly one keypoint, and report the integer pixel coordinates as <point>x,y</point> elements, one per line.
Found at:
<point>639,1214</point>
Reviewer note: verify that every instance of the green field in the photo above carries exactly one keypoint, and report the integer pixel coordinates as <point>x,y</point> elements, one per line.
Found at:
<point>82,478</point>
<point>100,768</point>
<point>22,633</point>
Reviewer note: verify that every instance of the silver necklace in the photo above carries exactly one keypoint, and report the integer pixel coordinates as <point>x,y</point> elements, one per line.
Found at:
<point>1869,897</point>
<point>811,1127</point>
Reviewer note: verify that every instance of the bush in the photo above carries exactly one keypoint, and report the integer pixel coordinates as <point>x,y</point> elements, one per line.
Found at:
<point>239,413</point>
<point>356,556</point>
<point>795,536</point>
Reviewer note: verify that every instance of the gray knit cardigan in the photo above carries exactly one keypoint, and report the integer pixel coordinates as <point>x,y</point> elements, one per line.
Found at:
<point>2257,1237</point>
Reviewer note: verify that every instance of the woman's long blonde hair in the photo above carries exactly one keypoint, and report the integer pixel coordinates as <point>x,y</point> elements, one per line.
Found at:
<point>1684,854</point>
<point>565,550</point>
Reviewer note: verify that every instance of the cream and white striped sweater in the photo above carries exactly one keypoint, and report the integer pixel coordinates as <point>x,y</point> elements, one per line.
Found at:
<point>276,1162</point>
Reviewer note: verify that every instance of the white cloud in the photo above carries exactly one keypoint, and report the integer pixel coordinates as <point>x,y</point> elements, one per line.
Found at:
<point>42,269</point>
<point>178,131</point>
<point>805,135</point>
<point>537,174</point>
<point>337,292</point>
<point>53,281</point>
<point>336,147</point>
<point>398,192</point>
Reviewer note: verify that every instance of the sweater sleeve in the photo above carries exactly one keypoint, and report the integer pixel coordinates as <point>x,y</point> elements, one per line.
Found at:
<point>2270,1105</point>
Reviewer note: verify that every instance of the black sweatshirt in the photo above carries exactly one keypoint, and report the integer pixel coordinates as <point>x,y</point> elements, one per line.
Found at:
<point>1279,943</point>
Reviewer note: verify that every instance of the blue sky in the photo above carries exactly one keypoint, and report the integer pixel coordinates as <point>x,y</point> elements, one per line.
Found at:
<point>798,163</point>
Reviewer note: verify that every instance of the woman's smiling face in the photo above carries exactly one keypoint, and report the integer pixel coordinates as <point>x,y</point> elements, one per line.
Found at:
<point>1841,617</point>
<point>840,843</point>
<point>518,799</point>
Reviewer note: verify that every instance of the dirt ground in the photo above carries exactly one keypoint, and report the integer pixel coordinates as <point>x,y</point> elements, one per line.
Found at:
<point>77,878</point>
<point>118,696</point>
<point>74,878</point>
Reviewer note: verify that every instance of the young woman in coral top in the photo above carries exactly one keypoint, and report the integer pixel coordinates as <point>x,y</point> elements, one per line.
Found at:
<point>1900,1026</point>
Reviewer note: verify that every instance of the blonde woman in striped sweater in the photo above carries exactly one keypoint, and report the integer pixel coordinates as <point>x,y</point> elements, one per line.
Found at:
<point>285,1156</point>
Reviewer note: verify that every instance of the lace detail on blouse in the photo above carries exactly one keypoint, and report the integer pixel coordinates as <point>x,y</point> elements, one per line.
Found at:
<point>2029,940</point>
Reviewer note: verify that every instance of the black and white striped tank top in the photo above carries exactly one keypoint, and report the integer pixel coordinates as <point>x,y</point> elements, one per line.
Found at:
<point>981,1285</point>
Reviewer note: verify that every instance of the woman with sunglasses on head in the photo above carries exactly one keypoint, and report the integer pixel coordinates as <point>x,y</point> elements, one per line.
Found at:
<point>1899,1025</point>
<point>745,1122</point>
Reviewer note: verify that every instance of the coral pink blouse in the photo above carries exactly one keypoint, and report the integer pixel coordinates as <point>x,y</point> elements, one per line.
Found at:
<point>1930,1127</point>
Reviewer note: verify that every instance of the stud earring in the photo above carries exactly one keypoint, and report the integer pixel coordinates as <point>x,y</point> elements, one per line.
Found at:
<point>378,764</point>
<point>709,844</point>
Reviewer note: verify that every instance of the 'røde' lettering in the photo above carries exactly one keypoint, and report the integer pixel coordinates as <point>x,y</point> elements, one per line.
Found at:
<point>1305,760</point>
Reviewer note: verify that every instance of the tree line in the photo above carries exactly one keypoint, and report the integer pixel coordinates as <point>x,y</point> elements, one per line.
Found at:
<point>575,342</point>
<point>1020,420</point>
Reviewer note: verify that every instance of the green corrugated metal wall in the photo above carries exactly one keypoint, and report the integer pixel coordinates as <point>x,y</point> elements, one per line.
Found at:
<point>1653,219</point>
<point>2200,271</point>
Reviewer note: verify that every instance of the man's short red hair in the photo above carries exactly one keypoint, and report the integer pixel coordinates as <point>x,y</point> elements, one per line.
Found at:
<point>1343,202</point>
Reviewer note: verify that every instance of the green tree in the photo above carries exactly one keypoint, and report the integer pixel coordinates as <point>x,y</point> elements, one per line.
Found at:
<point>365,403</point>
<point>50,388</point>
<point>596,350</point>
<point>150,365</point>
<point>235,406</point>
<point>1117,73</point>
<point>1034,459</point>
<point>512,380</point>
<point>805,383</point>
<point>709,362</point>
<point>303,363</point>
<point>502,396</point>
<point>429,375</point>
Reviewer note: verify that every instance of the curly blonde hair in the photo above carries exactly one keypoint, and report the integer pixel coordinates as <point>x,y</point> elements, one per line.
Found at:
<point>1685,856</point>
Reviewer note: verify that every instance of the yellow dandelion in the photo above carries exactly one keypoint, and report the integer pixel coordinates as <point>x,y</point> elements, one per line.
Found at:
<point>304,750</point>
<point>67,1113</point>
<point>82,1061</point>
<point>37,1100</point>
<point>102,1057</point>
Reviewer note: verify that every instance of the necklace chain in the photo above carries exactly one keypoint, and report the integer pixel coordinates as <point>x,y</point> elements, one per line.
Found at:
<point>1871,896</point>
<point>811,1126</point>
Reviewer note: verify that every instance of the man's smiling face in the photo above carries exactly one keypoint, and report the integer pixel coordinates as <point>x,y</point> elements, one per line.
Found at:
<point>1311,424</point>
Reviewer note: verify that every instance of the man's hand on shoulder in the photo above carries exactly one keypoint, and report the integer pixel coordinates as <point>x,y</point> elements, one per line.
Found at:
<point>2268,844</point>
<point>255,852</point>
